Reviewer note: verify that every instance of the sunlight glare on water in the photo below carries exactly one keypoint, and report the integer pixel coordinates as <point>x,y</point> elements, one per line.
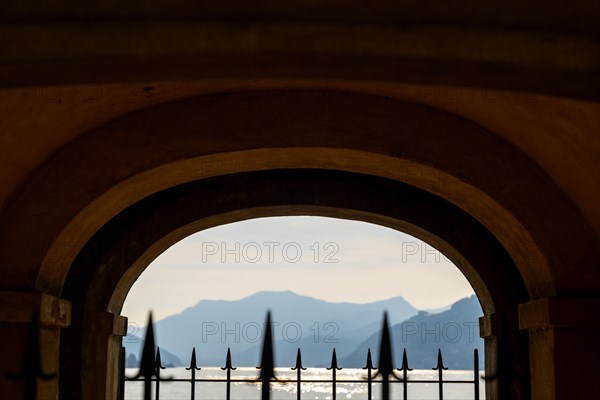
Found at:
<point>310,390</point>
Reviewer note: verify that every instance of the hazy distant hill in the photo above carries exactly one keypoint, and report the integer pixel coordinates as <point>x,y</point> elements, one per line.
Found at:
<point>133,347</point>
<point>455,332</point>
<point>299,321</point>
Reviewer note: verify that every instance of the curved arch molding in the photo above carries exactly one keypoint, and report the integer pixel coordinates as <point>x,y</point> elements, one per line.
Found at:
<point>229,133</point>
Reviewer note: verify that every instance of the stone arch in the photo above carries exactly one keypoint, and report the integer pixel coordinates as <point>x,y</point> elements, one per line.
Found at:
<point>194,139</point>
<point>367,138</point>
<point>125,246</point>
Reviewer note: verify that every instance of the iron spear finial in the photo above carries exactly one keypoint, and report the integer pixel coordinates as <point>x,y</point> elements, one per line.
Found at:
<point>386,363</point>
<point>298,361</point>
<point>404,366</point>
<point>148,358</point>
<point>193,363</point>
<point>334,364</point>
<point>267,362</point>
<point>228,364</point>
<point>369,364</point>
<point>440,361</point>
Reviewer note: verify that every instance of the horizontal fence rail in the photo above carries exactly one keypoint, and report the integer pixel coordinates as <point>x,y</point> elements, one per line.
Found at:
<point>151,365</point>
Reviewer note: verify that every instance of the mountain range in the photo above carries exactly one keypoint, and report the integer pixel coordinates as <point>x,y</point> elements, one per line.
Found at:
<point>455,332</point>
<point>315,326</point>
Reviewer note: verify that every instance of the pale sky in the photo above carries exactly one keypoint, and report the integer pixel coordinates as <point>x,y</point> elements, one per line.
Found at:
<point>355,262</point>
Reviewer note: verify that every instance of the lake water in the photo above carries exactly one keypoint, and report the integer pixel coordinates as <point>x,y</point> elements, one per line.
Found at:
<point>310,391</point>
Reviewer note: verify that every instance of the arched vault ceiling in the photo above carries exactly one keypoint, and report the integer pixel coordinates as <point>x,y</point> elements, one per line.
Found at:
<point>560,135</point>
<point>118,163</point>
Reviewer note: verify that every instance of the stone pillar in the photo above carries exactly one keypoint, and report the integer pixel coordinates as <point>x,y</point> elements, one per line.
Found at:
<point>113,352</point>
<point>487,333</point>
<point>100,350</point>
<point>16,314</point>
<point>564,335</point>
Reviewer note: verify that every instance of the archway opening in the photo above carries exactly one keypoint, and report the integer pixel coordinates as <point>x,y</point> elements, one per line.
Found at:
<point>110,263</point>
<point>327,282</point>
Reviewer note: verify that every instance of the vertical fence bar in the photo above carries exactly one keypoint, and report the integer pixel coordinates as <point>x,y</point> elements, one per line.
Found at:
<point>121,393</point>
<point>148,361</point>
<point>158,368</point>
<point>228,367</point>
<point>404,368</point>
<point>386,363</point>
<point>369,368</point>
<point>334,367</point>
<point>440,367</point>
<point>193,368</point>
<point>267,362</point>
<point>476,372</point>
<point>299,369</point>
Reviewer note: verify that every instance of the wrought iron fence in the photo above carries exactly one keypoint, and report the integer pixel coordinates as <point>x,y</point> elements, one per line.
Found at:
<point>385,375</point>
